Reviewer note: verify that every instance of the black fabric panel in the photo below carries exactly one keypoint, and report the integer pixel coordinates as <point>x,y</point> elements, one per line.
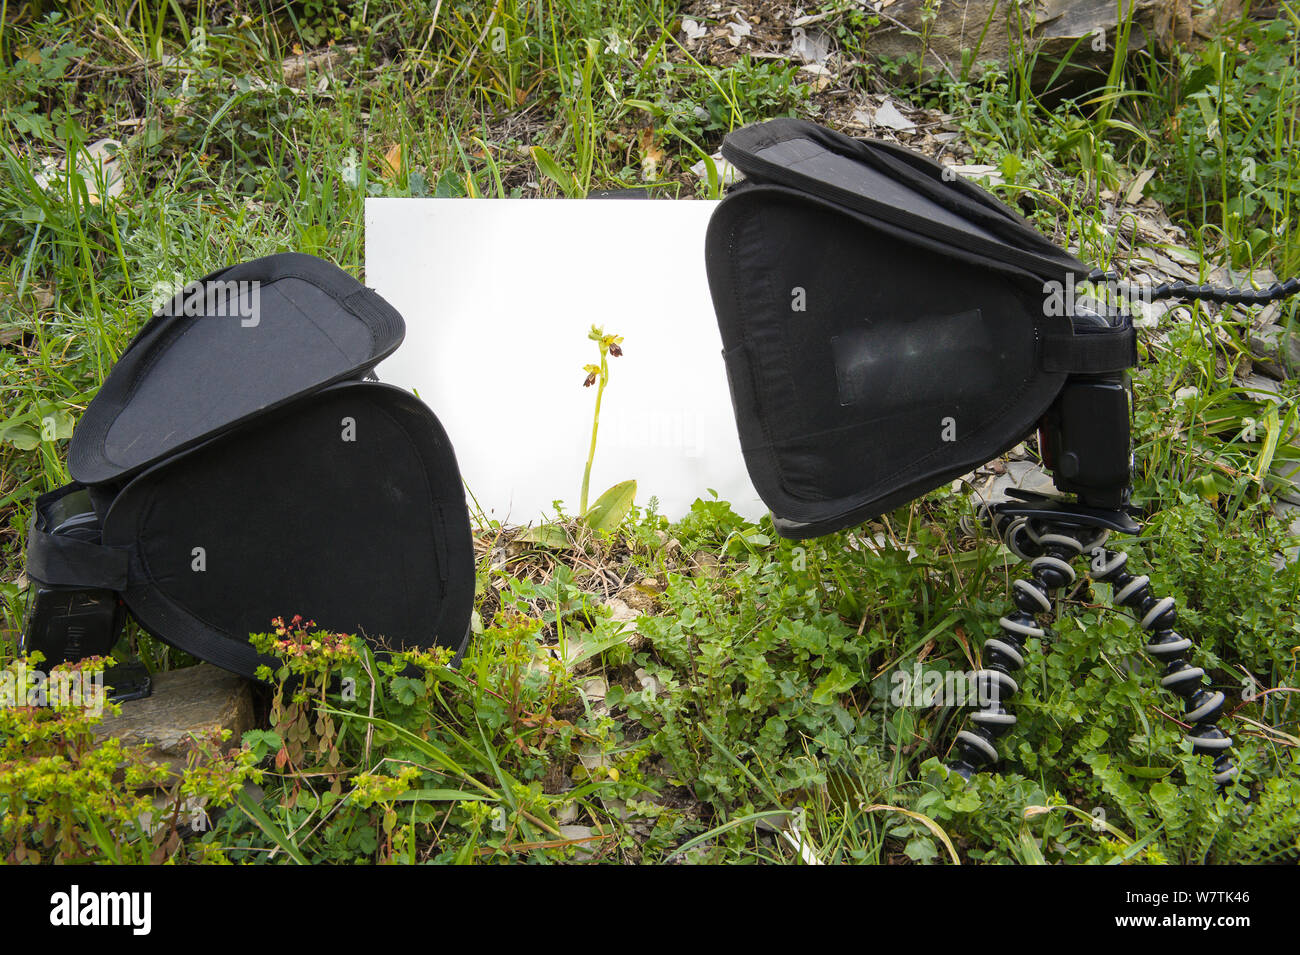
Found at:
<point>841,407</point>
<point>363,536</point>
<point>814,162</point>
<point>896,185</point>
<point>185,379</point>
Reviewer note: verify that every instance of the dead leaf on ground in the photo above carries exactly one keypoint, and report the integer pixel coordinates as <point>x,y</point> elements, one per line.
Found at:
<point>391,165</point>
<point>652,155</point>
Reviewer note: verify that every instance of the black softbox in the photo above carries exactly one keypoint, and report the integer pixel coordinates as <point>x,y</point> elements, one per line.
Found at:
<point>241,468</point>
<point>886,326</point>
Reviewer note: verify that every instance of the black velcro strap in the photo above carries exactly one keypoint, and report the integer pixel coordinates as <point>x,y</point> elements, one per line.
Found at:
<point>66,562</point>
<point>1092,353</point>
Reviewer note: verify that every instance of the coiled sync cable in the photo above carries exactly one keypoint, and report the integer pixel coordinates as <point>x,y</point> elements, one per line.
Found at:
<point>1217,294</point>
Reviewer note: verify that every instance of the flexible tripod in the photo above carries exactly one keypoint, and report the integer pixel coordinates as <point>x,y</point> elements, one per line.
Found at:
<point>1050,535</point>
<point>1086,442</point>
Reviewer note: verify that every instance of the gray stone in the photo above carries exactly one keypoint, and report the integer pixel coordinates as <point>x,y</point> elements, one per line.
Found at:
<point>1289,514</point>
<point>197,702</point>
<point>1261,388</point>
<point>1051,27</point>
<point>1275,351</point>
<point>1283,481</point>
<point>809,46</point>
<point>585,839</point>
<point>1024,475</point>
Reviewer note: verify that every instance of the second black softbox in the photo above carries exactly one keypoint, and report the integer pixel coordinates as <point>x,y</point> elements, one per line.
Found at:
<point>240,467</point>
<point>886,326</point>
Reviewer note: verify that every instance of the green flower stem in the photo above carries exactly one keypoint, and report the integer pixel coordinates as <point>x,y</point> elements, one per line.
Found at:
<point>595,427</point>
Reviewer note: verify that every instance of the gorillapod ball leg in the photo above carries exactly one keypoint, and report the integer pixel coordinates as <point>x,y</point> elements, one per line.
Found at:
<point>1049,546</point>
<point>1003,655</point>
<point>1157,616</point>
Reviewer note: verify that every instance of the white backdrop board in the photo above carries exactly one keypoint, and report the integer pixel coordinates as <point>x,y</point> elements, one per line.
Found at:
<point>498,297</point>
